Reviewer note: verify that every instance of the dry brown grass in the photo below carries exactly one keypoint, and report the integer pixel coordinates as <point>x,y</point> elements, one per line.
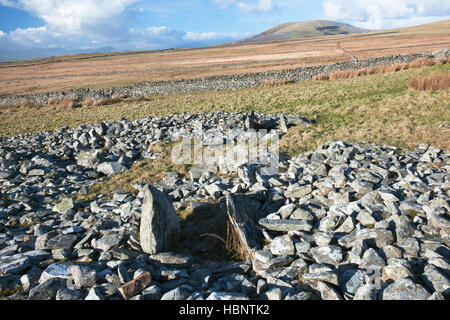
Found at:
<point>423,63</point>
<point>26,104</point>
<point>444,60</point>
<point>349,74</point>
<point>376,108</point>
<point>102,102</point>
<point>234,246</point>
<point>148,171</point>
<point>106,70</point>
<point>60,104</point>
<point>273,83</point>
<point>432,82</point>
<point>322,77</point>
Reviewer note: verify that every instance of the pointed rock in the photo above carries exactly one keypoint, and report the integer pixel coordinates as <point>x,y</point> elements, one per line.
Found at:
<point>160,225</point>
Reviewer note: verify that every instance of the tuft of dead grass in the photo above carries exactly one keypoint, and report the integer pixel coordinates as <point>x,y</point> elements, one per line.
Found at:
<point>102,102</point>
<point>432,82</point>
<point>235,248</point>
<point>67,103</point>
<point>349,74</point>
<point>428,62</point>
<point>444,60</point>
<point>322,77</point>
<point>26,104</point>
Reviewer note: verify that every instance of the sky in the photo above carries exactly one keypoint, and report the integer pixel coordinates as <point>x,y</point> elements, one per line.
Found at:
<point>43,26</point>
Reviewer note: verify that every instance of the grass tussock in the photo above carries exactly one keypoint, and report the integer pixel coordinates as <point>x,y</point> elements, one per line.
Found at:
<point>23,105</point>
<point>321,77</point>
<point>444,60</point>
<point>432,82</point>
<point>274,83</point>
<point>102,102</point>
<point>377,108</point>
<point>349,74</point>
<point>60,104</point>
<point>235,248</point>
<point>428,62</point>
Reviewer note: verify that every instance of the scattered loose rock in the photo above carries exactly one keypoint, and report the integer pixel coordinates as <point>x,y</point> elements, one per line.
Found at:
<point>346,221</point>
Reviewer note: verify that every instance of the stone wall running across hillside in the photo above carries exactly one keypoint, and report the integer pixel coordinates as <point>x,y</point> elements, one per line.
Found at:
<point>231,82</point>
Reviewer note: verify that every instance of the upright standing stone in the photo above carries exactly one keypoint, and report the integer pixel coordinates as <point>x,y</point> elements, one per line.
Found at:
<point>160,224</point>
<point>243,215</point>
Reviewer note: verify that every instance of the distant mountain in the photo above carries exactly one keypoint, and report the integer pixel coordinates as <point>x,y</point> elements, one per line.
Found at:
<point>14,52</point>
<point>303,30</point>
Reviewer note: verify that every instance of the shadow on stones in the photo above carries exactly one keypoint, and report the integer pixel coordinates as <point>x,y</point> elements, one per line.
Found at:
<point>204,232</point>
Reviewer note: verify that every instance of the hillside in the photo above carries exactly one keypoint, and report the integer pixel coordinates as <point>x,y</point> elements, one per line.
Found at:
<point>104,70</point>
<point>303,30</point>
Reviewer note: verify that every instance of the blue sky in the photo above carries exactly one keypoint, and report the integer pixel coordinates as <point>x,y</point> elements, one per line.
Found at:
<point>159,24</point>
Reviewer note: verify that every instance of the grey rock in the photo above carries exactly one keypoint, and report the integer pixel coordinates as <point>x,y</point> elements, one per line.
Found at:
<point>243,218</point>
<point>327,276</point>
<point>94,294</point>
<point>323,238</point>
<point>153,292</point>
<point>64,206</point>
<point>111,168</point>
<point>66,294</point>
<point>274,294</point>
<point>47,290</point>
<point>328,254</point>
<point>263,255</point>
<point>366,219</point>
<point>83,276</point>
<point>282,246</point>
<point>436,296</point>
<point>172,259</point>
<point>372,259</point>
<point>159,226</point>
<point>326,291</point>
<point>352,280</point>
<point>217,295</point>
<point>175,294</point>
<point>298,192</point>
<point>90,159</point>
<point>403,228</point>
<point>405,289</point>
<point>56,270</point>
<point>11,265</point>
<point>286,225</point>
<point>435,279</point>
<point>62,241</point>
<point>109,241</point>
<point>365,292</point>
<point>410,247</point>
<point>214,190</point>
<point>396,269</point>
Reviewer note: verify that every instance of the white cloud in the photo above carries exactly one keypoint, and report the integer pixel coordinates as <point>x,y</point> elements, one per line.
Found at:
<point>383,14</point>
<point>212,36</point>
<point>73,16</point>
<point>223,4</point>
<point>91,24</point>
<point>246,7</point>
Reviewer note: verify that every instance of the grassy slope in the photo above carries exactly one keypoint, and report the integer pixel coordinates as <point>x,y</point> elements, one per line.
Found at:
<point>377,108</point>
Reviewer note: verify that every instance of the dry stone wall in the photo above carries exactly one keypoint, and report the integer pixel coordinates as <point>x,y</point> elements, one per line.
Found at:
<point>231,82</point>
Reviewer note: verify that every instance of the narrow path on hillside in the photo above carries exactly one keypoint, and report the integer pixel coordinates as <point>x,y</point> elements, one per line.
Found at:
<point>346,52</point>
